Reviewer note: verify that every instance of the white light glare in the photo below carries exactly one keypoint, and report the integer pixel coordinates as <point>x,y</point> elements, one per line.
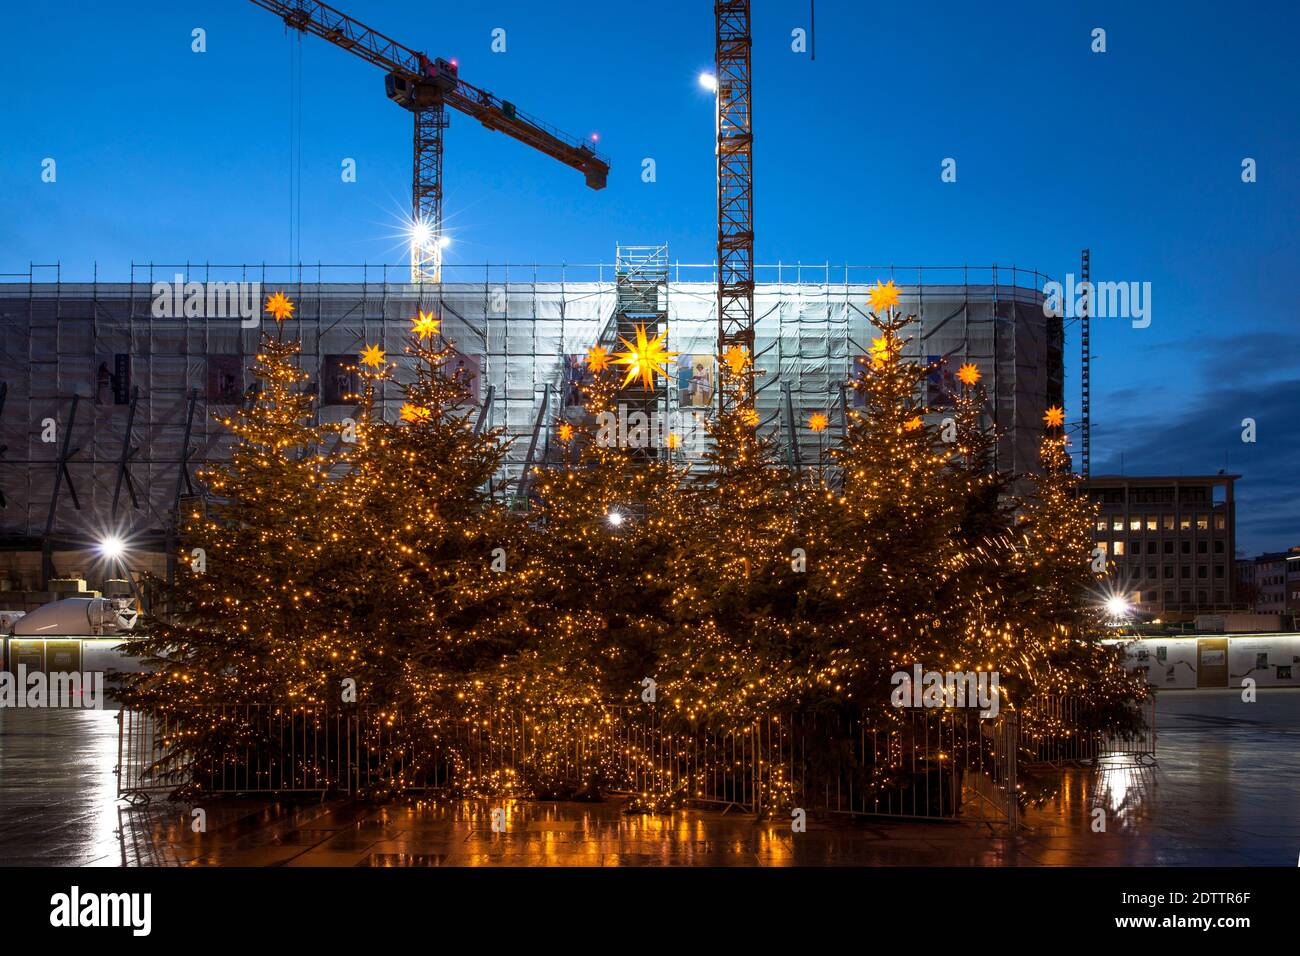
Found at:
<point>444,241</point>
<point>1117,607</point>
<point>421,234</point>
<point>615,518</point>
<point>709,82</point>
<point>112,547</point>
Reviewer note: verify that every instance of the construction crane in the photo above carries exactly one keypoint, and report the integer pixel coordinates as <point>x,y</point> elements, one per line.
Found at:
<point>735,136</point>
<point>426,87</point>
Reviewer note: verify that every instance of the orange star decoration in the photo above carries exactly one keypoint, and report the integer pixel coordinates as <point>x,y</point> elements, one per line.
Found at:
<point>1055,417</point>
<point>818,421</point>
<point>425,324</point>
<point>566,432</point>
<point>373,356</point>
<point>912,424</point>
<point>597,358</point>
<point>645,358</point>
<point>750,417</point>
<point>880,352</point>
<point>279,306</point>
<point>674,440</point>
<point>415,413</point>
<point>883,296</point>
<point>968,374</point>
<point>736,357</point>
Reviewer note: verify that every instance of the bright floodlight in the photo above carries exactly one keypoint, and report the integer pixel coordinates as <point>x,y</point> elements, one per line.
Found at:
<point>112,546</point>
<point>615,518</point>
<point>421,234</point>
<point>1117,607</point>
<point>709,82</point>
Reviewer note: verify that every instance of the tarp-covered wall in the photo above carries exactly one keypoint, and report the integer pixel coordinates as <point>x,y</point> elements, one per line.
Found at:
<point>100,342</point>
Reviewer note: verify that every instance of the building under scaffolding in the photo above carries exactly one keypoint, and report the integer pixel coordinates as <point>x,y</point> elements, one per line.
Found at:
<point>134,393</point>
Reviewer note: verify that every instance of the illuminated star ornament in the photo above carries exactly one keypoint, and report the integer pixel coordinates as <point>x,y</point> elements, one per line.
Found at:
<point>818,421</point>
<point>645,358</point>
<point>736,357</point>
<point>414,413</point>
<point>968,374</point>
<point>912,424</point>
<point>1054,417</point>
<point>598,358</point>
<point>883,296</point>
<point>425,324</point>
<point>373,356</point>
<point>880,352</point>
<point>279,306</point>
<point>566,432</point>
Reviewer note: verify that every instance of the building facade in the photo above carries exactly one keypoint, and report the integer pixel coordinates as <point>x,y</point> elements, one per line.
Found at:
<point>113,391</point>
<point>1169,542</point>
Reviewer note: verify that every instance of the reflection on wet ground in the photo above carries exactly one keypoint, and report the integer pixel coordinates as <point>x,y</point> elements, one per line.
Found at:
<point>1226,792</point>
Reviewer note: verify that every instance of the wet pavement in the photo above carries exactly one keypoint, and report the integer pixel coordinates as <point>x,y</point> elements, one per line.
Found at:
<point>1226,792</point>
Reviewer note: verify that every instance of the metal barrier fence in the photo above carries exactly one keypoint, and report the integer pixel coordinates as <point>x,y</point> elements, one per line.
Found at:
<point>1074,740</point>
<point>922,763</point>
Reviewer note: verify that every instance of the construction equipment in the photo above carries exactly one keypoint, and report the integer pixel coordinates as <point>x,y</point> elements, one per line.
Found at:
<point>426,88</point>
<point>735,195</point>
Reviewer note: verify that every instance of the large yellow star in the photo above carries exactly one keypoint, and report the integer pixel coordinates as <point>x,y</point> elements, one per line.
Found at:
<point>968,374</point>
<point>373,356</point>
<point>818,421</point>
<point>598,358</point>
<point>566,431</point>
<point>279,306</point>
<point>736,357</point>
<point>883,296</point>
<point>1054,417</point>
<point>425,324</point>
<point>645,358</point>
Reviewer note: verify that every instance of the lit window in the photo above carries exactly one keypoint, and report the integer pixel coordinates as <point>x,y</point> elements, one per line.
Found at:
<point>1184,523</point>
<point>1168,522</point>
<point>1118,548</point>
<point>1135,524</point>
<point>1152,523</point>
<point>1202,522</point>
<point>1117,524</point>
<point>1219,522</point>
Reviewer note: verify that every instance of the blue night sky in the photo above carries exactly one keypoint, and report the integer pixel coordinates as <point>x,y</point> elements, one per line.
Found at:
<point>168,155</point>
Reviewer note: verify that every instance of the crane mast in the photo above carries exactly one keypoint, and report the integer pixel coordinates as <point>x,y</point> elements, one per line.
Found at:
<point>427,88</point>
<point>735,137</point>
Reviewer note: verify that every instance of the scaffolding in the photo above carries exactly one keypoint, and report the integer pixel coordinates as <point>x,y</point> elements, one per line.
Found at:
<point>134,398</point>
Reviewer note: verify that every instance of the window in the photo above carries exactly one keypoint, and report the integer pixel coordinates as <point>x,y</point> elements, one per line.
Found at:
<point>1202,522</point>
<point>1151,597</point>
<point>1153,523</point>
<point>1218,547</point>
<point>1135,524</point>
<point>1219,522</point>
<point>1117,548</point>
<point>1168,522</point>
<point>1153,547</point>
<point>1218,570</point>
<point>1185,523</point>
<point>1102,546</point>
<point>1201,571</point>
<point>1169,596</point>
<point>1169,570</point>
<point>1202,547</point>
<point>1117,524</point>
<point>1151,572</point>
<point>1101,524</point>
<point>1169,546</point>
<point>1186,547</point>
<point>1185,571</point>
<point>1200,597</point>
<point>1187,597</point>
<point>1135,546</point>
